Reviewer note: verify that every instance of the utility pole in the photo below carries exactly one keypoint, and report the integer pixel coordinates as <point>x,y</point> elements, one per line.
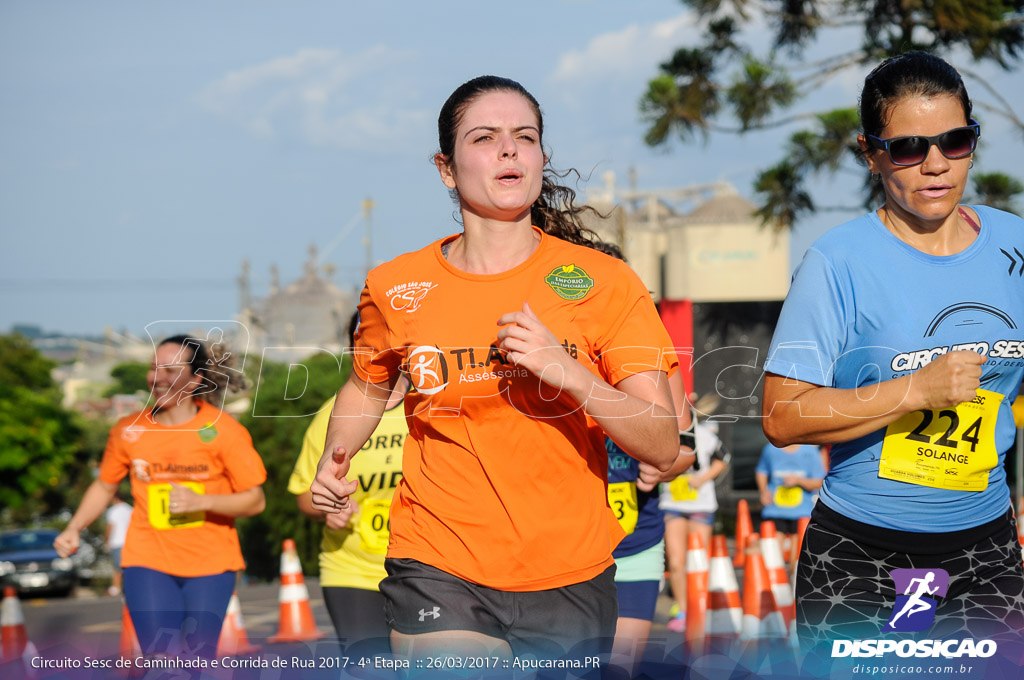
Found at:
<point>368,231</point>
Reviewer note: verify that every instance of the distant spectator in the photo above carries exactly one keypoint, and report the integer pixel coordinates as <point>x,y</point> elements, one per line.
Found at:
<point>690,503</point>
<point>118,516</point>
<point>788,479</point>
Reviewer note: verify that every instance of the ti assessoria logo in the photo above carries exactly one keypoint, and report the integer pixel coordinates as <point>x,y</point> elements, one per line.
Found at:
<point>914,611</point>
<point>428,369</point>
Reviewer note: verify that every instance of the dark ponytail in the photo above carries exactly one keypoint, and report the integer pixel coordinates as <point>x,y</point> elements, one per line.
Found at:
<point>555,211</point>
<point>913,74</point>
<point>213,363</point>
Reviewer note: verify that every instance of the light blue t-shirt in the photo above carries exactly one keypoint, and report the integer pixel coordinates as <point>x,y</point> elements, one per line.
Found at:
<point>776,463</point>
<point>866,307</point>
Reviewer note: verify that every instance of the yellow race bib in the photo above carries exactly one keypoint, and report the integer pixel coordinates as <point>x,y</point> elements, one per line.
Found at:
<point>160,515</point>
<point>952,448</point>
<point>789,496</point>
<point>681,490</point>
<point>374,525</point>
<point>622,499</point>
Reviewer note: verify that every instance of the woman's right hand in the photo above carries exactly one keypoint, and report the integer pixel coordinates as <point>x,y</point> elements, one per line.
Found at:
<point>330,489</point>
<point>766,497</point>
<point>342,518</point>
<point>66,543</point>
<point>951,379</point>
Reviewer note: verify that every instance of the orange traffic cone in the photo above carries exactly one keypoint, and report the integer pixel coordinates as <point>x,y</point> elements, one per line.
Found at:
<point>233,638</point>
<point>777,576</point>
<point>725,616</point>
<point>761,618</point>
<point>763,634</point>
<point>130,648</point>
<point>1020,519</point>
<point>13,637</point>
<point>297,622</point>
<point>798,542</point>
<point>696,592</point>
<point>744,527</point>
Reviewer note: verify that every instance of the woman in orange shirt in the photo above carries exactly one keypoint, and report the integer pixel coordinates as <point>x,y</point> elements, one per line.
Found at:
<point>525,346</point>
<point>193,470</point>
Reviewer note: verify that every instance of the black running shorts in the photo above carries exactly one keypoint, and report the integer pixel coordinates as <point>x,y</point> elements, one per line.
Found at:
<point>574,621</point>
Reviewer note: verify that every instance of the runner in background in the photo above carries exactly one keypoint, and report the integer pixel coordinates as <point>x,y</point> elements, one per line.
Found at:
<point>526,349</point>
<point>640,557</point>
<point>117,517</point>
<point>787,479</point>
<point>355,540</point>
<point>690,503</point>
<point>900,344</point>
<point>193,469</point>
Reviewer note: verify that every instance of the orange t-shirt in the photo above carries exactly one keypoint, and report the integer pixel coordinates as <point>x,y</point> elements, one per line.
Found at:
<point>212,453</point>
<point>504,479</point>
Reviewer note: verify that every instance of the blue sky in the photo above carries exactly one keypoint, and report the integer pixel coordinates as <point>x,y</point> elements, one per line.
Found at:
<point>146,149</point>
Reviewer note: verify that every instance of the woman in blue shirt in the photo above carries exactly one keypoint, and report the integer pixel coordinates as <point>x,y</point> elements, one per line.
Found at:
<point>900,344</point>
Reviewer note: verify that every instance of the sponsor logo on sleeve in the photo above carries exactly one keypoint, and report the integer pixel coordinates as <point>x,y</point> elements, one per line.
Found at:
<point>407,297</point>
<point>207,433</point>
<point>570,282</point>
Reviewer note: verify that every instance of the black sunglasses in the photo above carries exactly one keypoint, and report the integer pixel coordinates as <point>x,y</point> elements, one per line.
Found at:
<point>956,143</point>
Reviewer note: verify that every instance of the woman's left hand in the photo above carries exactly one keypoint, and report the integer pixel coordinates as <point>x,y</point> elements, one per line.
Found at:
<point>530,345</point>
<point>184,500</point>
<point>648,477</point>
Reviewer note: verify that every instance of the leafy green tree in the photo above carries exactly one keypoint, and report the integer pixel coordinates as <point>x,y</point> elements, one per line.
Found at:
<point>41,443</point>
<point>285,397</point>
<point>723,86</point>
<point>997,190</point>
<point>129,378</point>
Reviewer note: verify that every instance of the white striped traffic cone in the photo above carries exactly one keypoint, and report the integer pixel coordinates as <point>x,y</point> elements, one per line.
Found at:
<point>13,637</point>
<point>696,592</point>
<point>297,622</point>
<point>781,589</point>
<point>761,618</point>
<point>234,640</point>
<point>14,642</point>
<point>725,615</point>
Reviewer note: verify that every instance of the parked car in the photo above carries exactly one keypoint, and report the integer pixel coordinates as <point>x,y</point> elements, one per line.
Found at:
<point>29,562</point>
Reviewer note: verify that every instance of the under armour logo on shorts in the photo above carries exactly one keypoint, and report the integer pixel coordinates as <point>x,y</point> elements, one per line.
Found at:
<point>433,613</point>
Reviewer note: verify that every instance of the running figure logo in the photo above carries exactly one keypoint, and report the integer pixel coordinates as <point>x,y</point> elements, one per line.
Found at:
<point>428,369</point>
<point>915,610</point>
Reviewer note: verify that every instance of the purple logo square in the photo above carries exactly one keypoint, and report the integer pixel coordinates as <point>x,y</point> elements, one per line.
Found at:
<point>916,590</point>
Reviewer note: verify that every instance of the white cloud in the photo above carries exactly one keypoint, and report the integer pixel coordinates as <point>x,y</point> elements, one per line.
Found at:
<point>630,54</point>
<point>323,96</point>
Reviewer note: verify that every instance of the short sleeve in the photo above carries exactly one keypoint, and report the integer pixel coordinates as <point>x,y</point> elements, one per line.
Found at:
<point>721,453</point>
<point>763,467</point>
<point>242,464</point>
<point>115,463</point>
<point>376,359</point>
<point>812,327</point>
<point>312,449</point>
<point>633,339</point>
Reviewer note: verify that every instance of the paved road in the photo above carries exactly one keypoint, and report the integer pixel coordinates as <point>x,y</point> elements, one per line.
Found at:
<point>87,626</point>
<point>93,624</point>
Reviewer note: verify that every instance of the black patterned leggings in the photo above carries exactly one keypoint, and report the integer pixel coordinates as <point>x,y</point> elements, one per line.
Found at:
<point>844,590</point>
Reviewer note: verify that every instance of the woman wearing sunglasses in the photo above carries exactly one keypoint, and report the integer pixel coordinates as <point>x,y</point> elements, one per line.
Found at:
<point>901,344</point>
